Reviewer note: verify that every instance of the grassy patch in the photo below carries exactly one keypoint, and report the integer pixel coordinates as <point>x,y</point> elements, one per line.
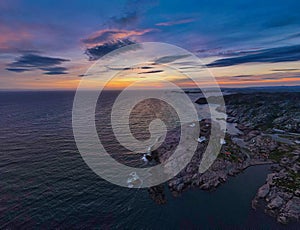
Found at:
<point>289,184</point>
<point>277,155</point>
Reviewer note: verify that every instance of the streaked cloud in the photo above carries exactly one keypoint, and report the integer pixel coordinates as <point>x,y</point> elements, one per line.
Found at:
<point>242,76</point>
<point>262,77</point>
<point>152,71</point>
<point>17,70</point>
<point>98,51</point>
<point>55,70</point>
<point>168,59</point>
<point>30,62</point>
<point>107,35</point>
<point>285,70</point>
<point>131,68</point>
<point>250,38</point>
<point>176,22</point>
<point>272,55</point>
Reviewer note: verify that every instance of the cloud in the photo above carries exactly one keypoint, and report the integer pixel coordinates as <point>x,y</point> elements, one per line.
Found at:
<point>10,38</point>
<point>280,78</point>
<point>146,67</point>
<point>104,41</point>
<point>131,68</point>
<point>55,70</point>
<point>187,67</point>
<point>289,37</point>
<point>116,68</point>
<point>176,22</point>
<point>224,52</point>
<point>284,70</point>
<point>55,73</point>
<point>127,19</point>
<point>297,35</point>
<point>272,55</point>
<point>107,35</point>
<point>96,52</point>
<point>152,71</point>
<point>18,34</point>
<point>130,14</point>
<point>261,77</point>
<point>17,70</point>
<point>33,60</point>
<point>30,62</point>
<point>168,59</point>
<point>242,76</point>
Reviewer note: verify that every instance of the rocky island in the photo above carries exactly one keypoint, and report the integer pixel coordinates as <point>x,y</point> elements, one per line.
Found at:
<point>262,128</point>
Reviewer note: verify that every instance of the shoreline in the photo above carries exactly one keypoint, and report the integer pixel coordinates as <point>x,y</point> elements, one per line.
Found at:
<point>258,149</point>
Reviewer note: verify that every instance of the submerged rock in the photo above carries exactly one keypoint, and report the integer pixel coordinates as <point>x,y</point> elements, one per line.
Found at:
<point>157,194</point>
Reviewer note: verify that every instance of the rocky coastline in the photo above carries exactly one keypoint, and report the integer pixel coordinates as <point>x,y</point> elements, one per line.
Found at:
<point>277,117</point>
<point>267,129</point>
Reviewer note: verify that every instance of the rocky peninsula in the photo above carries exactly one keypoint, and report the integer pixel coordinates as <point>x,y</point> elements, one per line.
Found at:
<point>262,128</point>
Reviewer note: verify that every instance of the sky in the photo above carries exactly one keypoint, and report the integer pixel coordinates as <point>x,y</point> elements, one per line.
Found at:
<point>51,44</point>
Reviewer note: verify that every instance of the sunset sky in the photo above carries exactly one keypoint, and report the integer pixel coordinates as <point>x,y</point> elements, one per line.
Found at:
<point>51,44</point>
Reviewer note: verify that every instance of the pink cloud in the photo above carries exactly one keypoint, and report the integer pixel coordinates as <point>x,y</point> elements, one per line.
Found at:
<point>9,37</point>
<point>102,36</point>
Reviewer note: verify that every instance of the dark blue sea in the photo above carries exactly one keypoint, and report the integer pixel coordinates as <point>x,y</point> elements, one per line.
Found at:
<point>45,184</point>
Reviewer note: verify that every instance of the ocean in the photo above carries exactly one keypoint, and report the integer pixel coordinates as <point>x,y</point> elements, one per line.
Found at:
<point>44,182</point>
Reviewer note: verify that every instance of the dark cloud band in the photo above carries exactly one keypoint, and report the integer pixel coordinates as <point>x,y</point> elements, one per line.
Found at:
<point>99,51</point>
<point>272,55</point>
<point>30,62</point>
